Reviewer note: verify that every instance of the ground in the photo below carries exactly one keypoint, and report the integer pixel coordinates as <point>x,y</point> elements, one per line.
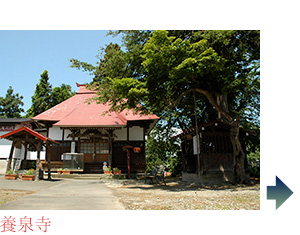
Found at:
<point>180,195</point>
<point>176,195</point>
<point>7,195</point>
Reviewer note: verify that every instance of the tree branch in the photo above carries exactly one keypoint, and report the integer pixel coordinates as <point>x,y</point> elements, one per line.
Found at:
<point>209,97</point>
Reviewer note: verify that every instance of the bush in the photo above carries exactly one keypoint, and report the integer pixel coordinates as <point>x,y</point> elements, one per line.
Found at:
<point>162,149</point>
<point>254,163</point>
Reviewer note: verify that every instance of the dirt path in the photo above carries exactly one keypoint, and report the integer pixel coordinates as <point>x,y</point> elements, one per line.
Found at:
<point>7,195</point>
<point>179,195</point>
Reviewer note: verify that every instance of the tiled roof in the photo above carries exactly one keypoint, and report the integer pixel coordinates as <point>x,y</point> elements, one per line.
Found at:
<point>76,112</point>
<point>14,120</point>
<point>21,130</point>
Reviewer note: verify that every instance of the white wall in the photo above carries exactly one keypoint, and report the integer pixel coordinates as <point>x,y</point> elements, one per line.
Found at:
<point>136,133</point>
<point>33,155</point>
<point>4,151</point>
<point>121,134</point>
<point>55,133</point>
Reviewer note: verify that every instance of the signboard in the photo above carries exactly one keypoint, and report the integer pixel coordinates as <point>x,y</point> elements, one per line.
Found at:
<point>73,144</point>
<point>196,146</point>
<point>6,128</point>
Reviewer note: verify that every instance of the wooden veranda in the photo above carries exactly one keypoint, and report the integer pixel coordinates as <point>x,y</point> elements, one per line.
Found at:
<point>33,141</point>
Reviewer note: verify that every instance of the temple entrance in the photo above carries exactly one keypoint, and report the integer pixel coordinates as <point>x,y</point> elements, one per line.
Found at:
<point>94,152</point>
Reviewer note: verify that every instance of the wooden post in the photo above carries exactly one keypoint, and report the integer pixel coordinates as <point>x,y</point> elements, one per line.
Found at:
<point>49,160</point>
<point>63,135</point>
<point>110,132</point>
<point>25,156</point>
<point>128,162</point>
<point>8,166</point>
<point>127,149</point>
<point>197,137</point>
<point>38,167</point>
<point>127,134</point>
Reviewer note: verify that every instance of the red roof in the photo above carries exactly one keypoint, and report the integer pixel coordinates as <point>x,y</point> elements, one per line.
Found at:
<point>26,129</point>
<point>76,112</point>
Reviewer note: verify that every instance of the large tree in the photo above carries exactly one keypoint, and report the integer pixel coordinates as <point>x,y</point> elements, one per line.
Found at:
<point>174,70</point>
<point>61,93</point>
<point>41,99</point>
<point>45,97</point>
<point>10,105</point>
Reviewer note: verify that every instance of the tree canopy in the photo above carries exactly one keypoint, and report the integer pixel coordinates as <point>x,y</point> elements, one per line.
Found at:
<point>45,97</point>
<point>175,74</point>
<point>61,93</point>
<point>157,67</point>
<point>42,96</point>
<point>11,105</point>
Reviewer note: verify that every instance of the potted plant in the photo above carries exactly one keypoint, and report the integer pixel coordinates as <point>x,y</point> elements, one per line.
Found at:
<point>11,175</point>
<point>29,175</point>
<point>117,171</point>
<point>66,171</point>
<point>59,171</point>
<point>108,171</point>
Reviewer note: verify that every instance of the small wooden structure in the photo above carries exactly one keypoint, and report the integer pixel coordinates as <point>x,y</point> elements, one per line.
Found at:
<point>212,159</point>
<point>32,141</point>
<point>127,149</point>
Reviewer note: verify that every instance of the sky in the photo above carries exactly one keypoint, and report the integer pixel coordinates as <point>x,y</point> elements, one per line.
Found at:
<point>25,54</point>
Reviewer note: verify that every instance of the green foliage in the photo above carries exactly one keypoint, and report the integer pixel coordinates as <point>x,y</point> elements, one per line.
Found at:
<point>45,97</point>
<point>10,172</point>
<point>254,163</point>
<point>59,94</point>
<point>108,168</point>
<point>161,149</point>
<point>41,100</point>
<point>157,67</point>
<point>30,172</point>
<point>10,105</point>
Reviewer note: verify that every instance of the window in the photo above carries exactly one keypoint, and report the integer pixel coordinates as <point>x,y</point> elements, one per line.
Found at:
<point>86,147</point>
<point>102,148</point>
<point>90,147</point>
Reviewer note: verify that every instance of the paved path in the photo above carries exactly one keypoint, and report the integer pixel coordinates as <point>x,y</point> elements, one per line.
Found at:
<point>62,195</point>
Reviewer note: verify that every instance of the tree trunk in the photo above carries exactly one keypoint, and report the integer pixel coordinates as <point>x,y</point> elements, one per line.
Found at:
<point>223,103</point>
<point>239,172</point>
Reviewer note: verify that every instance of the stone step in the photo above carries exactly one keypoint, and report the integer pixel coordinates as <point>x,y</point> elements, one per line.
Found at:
<point>88,176</point>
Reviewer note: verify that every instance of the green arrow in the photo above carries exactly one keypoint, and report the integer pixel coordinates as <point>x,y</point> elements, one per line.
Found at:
<point>280,192</point>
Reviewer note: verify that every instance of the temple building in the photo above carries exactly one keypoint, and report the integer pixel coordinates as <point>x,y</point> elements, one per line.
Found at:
<point>89,134</point>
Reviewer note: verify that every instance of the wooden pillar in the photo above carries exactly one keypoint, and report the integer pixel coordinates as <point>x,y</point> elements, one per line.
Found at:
<point>25,156</point>
<point>8,166</point>
<point>127,134</point>
<point>144,147</point>
<point>38,167</point>
<point>63,135</point>
<point>197,138</point>
<point>49,160</point>
<point>127,149</point>
<point>128,162</point>
<point>110,132</point>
